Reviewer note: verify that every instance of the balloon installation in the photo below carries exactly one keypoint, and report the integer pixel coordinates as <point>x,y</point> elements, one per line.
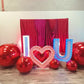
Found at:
<point>54,64</point>
<point>71,65</point>
<point>78,53</point>
<point>24,64</point>
<point>9,54</point>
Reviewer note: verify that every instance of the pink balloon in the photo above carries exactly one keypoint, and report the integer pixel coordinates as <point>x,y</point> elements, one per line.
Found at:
<point>42,50</point>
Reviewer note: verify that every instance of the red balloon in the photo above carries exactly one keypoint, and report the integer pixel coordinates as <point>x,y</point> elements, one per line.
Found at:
<point>24,64</point>
<point>9,53</point>
<point>78,53</point>
<point>71,65</point>
<point>41,57</point>
<point>54,64</point>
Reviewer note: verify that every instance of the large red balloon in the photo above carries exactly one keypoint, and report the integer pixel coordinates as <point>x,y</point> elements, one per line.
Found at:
<point>71,65</point>
<point>78,53</point>
<point>54,64</point>
<point>24,64</point>
<point>9,53</point>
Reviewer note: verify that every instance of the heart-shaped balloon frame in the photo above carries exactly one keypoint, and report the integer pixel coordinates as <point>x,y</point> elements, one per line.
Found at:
<point>42,50</point>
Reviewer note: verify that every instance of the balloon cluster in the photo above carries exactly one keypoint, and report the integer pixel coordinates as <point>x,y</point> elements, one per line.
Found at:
<point>77,56</point>
<point>78,53</point>
<point>10,56</point>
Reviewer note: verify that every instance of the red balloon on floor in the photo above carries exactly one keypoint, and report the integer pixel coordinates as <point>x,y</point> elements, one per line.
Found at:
<point>9,53</point>
<point>54,64</point>
<point>78,53</point>
<point>71,65</point>
<point>24,64</point>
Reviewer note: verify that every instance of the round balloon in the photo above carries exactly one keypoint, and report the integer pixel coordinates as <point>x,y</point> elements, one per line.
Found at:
<point>24,64</point>
<point>54,64</point>
<point>71,65</point>
<point>78,53</point>
<point>9,53</point>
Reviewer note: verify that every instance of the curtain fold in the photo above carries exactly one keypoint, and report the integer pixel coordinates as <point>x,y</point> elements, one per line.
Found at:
<point>40,27</point>
<point>63,33</point>
<point>28,28</point>
<point>51,31</point>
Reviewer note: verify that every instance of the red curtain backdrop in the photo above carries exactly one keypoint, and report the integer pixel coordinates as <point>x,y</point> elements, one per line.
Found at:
<point>63,33</point>
<point>40,26</point>
<point>28,28</point>
<point>43,31</point>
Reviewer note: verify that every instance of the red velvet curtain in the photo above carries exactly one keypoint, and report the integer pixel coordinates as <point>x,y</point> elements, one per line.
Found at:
<point>43,31</point>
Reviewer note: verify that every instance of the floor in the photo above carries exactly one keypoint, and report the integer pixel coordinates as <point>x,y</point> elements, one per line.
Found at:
<point>43,5</point>
<point>39,76</point>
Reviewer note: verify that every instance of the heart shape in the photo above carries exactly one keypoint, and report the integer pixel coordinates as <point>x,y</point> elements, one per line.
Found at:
<point>42,50</point>
<point>41,57</point>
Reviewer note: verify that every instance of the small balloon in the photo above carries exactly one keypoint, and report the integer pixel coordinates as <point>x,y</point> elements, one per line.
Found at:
<point>24,64</point>
<point>71,65</point>
<point>54,64</point>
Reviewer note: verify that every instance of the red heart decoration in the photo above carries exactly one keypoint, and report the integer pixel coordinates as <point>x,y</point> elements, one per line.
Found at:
<point>41,57</point>
<point>42,63</point>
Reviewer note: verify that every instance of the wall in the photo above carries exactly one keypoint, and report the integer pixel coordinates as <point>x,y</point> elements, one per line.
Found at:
<point>10,23</point>
<point>43,5</point>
